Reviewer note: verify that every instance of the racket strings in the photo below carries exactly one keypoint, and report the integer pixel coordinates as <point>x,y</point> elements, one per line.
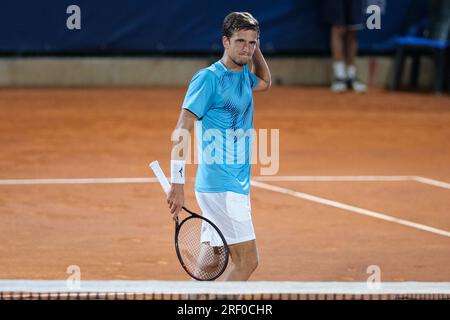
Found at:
<point>203,260</point>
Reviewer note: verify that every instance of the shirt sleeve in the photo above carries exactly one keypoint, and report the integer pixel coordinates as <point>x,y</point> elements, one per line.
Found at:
<point>199,96</point>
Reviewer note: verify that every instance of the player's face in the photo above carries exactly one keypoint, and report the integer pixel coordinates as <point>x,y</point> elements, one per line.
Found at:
<point>241,46</point>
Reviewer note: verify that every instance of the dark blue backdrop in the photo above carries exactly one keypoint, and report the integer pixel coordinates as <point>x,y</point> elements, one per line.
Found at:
<point>174,26</point>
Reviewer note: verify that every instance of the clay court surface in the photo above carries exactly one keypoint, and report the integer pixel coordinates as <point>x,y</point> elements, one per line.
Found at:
<point>124,230</point>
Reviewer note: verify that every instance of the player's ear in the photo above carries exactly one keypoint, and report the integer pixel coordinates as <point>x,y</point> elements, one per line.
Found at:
<point>225,42</point>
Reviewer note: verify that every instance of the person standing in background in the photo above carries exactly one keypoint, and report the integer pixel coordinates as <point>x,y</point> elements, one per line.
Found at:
<point>345,19</point>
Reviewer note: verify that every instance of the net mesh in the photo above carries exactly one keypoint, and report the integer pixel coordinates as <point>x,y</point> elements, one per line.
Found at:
<point>201,249</point>
<point>181,290</point>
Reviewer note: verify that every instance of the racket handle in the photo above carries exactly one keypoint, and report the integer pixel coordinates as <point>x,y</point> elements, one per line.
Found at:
<point>160,176</point>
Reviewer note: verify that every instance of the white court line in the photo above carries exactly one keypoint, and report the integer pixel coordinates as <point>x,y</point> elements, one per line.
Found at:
<point>258,178</point>
<point>432,182</point>
<point>424,180</point>
<point>347,207</point>
<point>334,178</point>
<point>150,180</point>
<point>274,188</point>
<point>76,181</point>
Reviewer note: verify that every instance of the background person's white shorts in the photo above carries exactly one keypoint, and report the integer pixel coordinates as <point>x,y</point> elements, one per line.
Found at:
<point>230,212</point>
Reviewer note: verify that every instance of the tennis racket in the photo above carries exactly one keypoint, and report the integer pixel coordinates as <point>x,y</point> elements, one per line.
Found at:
<point>200,246</point>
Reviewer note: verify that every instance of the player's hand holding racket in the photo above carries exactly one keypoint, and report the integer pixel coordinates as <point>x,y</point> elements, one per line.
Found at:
<point>200,246</point>
<point>175,199</point>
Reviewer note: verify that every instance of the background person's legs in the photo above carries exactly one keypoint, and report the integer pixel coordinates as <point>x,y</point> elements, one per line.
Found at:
<point>333,14</point>
<point>353,21</point>
<point>345,18</point>
<point>337,51</point>
<point>244,258</point>
<point>351,49</point>
<point>337,47</point>
<point>351,46</point>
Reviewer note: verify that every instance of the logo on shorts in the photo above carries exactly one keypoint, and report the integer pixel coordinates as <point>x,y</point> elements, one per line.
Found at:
<point>181,172</point>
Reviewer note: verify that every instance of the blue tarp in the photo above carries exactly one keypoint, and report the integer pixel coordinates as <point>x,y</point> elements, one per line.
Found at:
<point>175,26</point>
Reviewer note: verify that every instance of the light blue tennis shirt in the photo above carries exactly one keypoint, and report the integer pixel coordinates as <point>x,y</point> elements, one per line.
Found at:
<point>223,102</point>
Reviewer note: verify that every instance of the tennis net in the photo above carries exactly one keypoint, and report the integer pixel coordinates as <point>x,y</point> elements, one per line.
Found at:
<point>190,290</point>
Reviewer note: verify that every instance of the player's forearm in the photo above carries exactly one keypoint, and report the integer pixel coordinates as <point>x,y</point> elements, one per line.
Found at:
<point>260,67</point>
<point>181,138</point>
<point>181,135</point>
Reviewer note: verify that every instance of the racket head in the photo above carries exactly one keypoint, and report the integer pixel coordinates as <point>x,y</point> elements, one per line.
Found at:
<point>204,258</point>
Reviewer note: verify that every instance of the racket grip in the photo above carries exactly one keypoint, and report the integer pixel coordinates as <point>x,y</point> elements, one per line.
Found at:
<point>160,176</point>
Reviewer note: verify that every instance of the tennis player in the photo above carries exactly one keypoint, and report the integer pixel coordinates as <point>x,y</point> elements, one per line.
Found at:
<point>220,98</point>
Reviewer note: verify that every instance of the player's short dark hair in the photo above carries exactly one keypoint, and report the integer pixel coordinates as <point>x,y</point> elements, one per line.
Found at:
<point>236,21</point>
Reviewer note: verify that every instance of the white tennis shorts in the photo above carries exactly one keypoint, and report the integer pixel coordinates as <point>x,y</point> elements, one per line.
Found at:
<point>230,212</point>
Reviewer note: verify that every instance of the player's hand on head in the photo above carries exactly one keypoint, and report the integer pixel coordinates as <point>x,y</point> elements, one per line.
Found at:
<point>175,199</point>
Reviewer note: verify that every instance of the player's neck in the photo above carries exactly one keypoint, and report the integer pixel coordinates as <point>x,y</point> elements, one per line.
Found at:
<point>229,64</point>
